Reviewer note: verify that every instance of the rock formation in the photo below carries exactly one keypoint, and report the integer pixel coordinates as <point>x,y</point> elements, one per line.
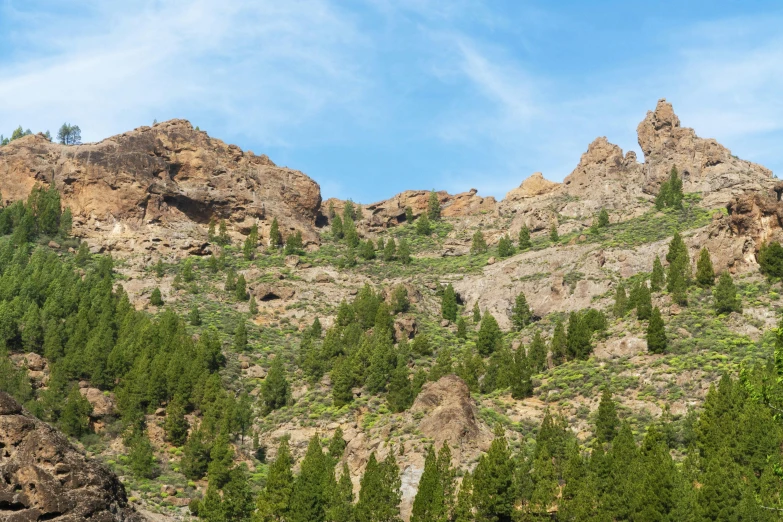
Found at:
<point>534,185</point>
<point>157,187</point>
<point>43,477</point>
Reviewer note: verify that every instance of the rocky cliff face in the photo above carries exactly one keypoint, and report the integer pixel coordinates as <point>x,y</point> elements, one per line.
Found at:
<point>156,188</point>
<point>43,477</point>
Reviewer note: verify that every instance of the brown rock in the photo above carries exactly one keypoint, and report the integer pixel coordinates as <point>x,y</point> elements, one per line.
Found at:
<point>450,415</point>
<point>533,186</point>
<point>491,261</point>
<point>322,277</point>
<point>445,323</point>
<point>292,261</point>
<point>168,178</point>
<point>405,327</point>
<point>102,405</point>
<point>45,478</point>
<point>267,292</point>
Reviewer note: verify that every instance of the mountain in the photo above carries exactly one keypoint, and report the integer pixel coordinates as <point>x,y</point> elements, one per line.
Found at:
<point>221,366</point>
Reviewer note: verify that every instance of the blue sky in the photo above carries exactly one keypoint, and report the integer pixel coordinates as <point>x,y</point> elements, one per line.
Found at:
<point>373,97</point>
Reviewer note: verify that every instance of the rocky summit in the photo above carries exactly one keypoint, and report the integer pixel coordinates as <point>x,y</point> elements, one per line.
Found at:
<point>192,324</point>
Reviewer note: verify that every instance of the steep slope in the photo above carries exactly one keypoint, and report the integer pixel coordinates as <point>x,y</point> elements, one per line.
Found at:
<point>157,188</point>
<point>45,478</point>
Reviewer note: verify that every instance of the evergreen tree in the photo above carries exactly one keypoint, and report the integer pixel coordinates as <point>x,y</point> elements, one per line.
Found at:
<point>240,336</point>
<point>337,227</point>
<point>462,328</point>
<point>424,225</point>
<point>155,297</point>
<point>505,248</point>
<point>603,218</point>
<point>308,496</point>
<point>231,281</point>
<point>379,495</point>
<point>241,288</point>
<point>578,343</point>
<point>75,416</point>
<point>342,382</point>
<point>249,247</point>
<point>212,263</point>
<point>478,244</point>
<point>559,344</point>
<point>349,233</point>
<point>195,456</point>
<point>366,250</point>
<point>404,252</point>
<point>620,302</point>
<point>176,425</point>
<point>421,345</point>
<point>274,391</point>
<point>489,335</point>
<point>463,511</point>
<point>770,260</point>
<point>658,278</point>
<point>399,299</point>
<point>726,298</point>
<point>141,457</point>
<point>705,274</point>
<point>409,215</point>
<point>524,238</point>
<point>252,306</point>
<point>606,421</point>
<point>275,238</point>
<point>448,304</point>
<point>521,314</point>
<point>537,354</point>
<point>443,365</point>
<point>294,244</point>
<point>643,302</point>
<point>211,235</point>
<point>521,381</point>
<point>545,484</point>
<point>274,500</point>
<point>187,271</point>
<point>433,206</point>
<point>339,500</point>
<point>476,312</point>
<point>66,222</point>
<point>656,334</point>
<point>670,194</point>
<point>493,484</point>
<point>429,503</point>
<point>554,237</point>
<point>223,237</point>
<point>337,444</point>
<point>389,250</point>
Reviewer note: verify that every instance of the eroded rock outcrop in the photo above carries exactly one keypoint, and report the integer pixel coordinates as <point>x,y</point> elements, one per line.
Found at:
<point>156,188</point>
<point>43,477</point>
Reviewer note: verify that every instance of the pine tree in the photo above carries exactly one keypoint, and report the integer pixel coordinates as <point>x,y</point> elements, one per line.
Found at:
<point>241,288</point>
<point>433,206</point>
<point>521,314</point>
<point>606,421</point>
<point>670,195</point>
<point>275,238</point>
<point>545,484</point>
<point>478,244</point>
<point>424,225</point>
<point>349,233</point>
<point>211,235</point>
<point>656,334</point>
<point>409,215</point>
<point>524,238</point>
<point>620,302</point>
<point>462,328</point>
<point>603,218</point>
<point>295,245</point>
<point>252,306</point>
<point>231,281</point>
<point>339,499</point>
<point>366,250</point>
<point>187,271</point>
<point>505,248</point>
<point>537,354</point>
<point>307,497</point>
<point>559,344</point>
<point>554,237</point>
<point>274,391</point>
<point>658,278</point>
<point>521,381</point>
<point>389,250</point>
<point>379,495</point>
<point>249,248</point>
<point>429,503</point>
<point>493,484</point>
<point>274,499</point>
<point>644,302</point>
<point>337,227</point>
<point>463,511</point>
<point>399,299</point>
<point>578,343</point>
<point>404,252</point>
<point>75,416</point>
<point>223,237</point>
<point>156,299</point>
<point>443,364</point>
<point>705,274</point>
<point>679,269</point>
<point>342,382</point>
<point>141,457</point>
<point>176,425</point>
<point>448,304</point>
<point>770,258</point>
<point>476,313</point>
<point>489,335</point>
<point>240,336</point>
<point>726,298</point>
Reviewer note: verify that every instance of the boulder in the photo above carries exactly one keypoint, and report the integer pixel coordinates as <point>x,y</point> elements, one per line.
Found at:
<point>102,404</point>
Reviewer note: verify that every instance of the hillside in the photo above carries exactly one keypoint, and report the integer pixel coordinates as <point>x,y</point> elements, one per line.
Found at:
<point>207,367</point>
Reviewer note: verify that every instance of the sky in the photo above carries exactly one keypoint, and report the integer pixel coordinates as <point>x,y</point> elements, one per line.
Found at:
<point>373,97</point>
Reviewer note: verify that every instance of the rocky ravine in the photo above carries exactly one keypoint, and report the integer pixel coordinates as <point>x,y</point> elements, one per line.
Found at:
<point>156,188</point>
<point>43,477</point>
